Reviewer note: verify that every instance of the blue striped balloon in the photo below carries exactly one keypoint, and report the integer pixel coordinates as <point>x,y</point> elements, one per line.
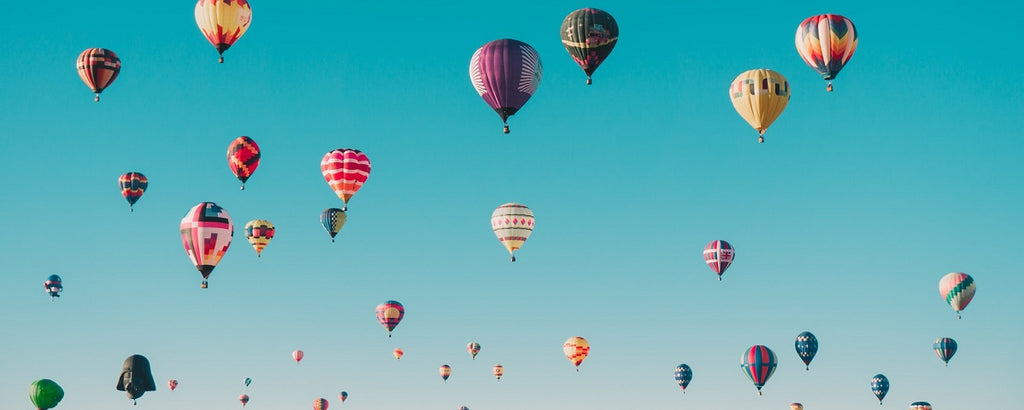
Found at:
<point>945,348</point>
<point>758,363</point>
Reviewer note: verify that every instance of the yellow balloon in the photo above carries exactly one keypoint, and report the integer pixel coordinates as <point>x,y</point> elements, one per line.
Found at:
<point>223,21</point>
<point>576,349</point>
<point>759,96</point>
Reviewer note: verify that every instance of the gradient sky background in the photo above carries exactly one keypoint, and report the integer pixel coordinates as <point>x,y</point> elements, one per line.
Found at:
<point>843,220</point>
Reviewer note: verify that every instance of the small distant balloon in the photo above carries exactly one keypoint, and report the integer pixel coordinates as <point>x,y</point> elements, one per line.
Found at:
<point>683,375</point>
<point>473,348</point>
<point>320,404</point>
<point>98,68</point>
<point>758,363</point>
<point>796,406</point>
<point>243,158</point>
<point>244,399</point>
<point>880,387</point>
<point>920,405</point>
<point>512,224</point>
<point>259,232</point>
<point>389,314</point>
<point>718,254</point>
<point>945,348</point>
<point>445,371</point>
<point>957,288</point>
<point>576,349</point>
<point>806,348</point>
<point>398,353</point>
<point>343,396</point>
<point>499,371</point>
<point>463,408</point>
<point>247,381</point>
<point>133,185</point>
<point>45,394</point>
<point>53,286</point>
<point>333,219</point>
<point>297,355</point>
<point>172,384</point>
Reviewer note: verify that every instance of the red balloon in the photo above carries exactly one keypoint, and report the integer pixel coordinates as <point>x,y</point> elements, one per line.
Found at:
<point>297,355</point>
<point>320,404</point>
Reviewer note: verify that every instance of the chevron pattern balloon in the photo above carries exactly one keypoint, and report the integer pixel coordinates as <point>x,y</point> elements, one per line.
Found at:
<point>957,288</point>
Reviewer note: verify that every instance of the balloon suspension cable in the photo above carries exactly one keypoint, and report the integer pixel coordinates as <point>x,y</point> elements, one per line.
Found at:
<point>506,128</point>
<point>589,81</point>
<point>97,99</point>
<point>829,88</point>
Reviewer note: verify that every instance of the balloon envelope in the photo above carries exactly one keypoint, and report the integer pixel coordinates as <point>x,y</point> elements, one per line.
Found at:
<point>920,405</point>
<point>259,232</point>
<point>505,73</point>
<point>247,381</point>
<point>343,396</point>
<point>243,158</point>
<point>499,371</point>
<point>759,96</point>
<point>945,348</point>
<point>576,349</point>
<point>445,371</point>
<point>45,394</point>
<point>98,68</point>
<point>718,254</point>
<point>589,35</point>
<point>133,185</point>
<point>136,377</point>
<point>172,384</point>
<point>796,406</point>
<point>297,355</point>
<point>473,348</point>
<point>389,314</point>
<point>683,375</point>
<point>53,286</point>
<point>758,363</point>
<point>806,347</point>
<point>320,404</point>
<point>333,219</point>
<point>223,21</point>
<point>206,232</point>
<point>512,224</point>
<point>345,171</point>
<point>398,353</point>
<point>957,288</point>
<point>826,42</point>
<point>244,399</point>
<point>880,386</point>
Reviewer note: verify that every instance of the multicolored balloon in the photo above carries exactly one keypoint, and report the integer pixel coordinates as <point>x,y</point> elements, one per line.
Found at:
<point>206,232</point>
<point>880,387</point>
<point>758,363</point>
<point>445,371</point>
<point>45,394</point>
<point>343,396</point>
<point>389,314</point>
<point>718,254</point>
<point>398,354</point>
<point>505,73</point>
<point>463,408</point>
<point>473,348</point>
<point>345,171</point>
<point>259,232</point>
<point>223,22</point>
<point>589,35</point>
<point>826,42</point>
<point>920,405</point>
<point>243,158</point>
<point>244,399</point>
<point>759,96</point>
<point>320,404</point>
<point>499,371</point>
<point>53,286</point>
<point>133,185</point>
<point>298,355</point>
<point>512,224</point>
<point>945,348</point>
<point>958,289</point>
<point>806,347</point>
<point>576,349</point>
<point>98,68</point>
<point>683,375</point>
<point>172,384</point>
<point>333,219</point>
<point>796,406</point>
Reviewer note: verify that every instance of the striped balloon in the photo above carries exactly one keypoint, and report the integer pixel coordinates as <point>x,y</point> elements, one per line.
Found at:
<point>320,404</point>
<point>512,224</point>
<point>719,255</point>
<point>758,363</point>
<point>206,232</point>
<point>826,42</point>
<point>589,35</point>
<point>389,314</point>
<point>945,348</point>
<point>259,232</point>
<point>880,386</point>
<point>98,68</point>
<point>499,370</point>
<point>683,375</point>
<point>445,371</point>
<point>398,353</point>
<point>958,290</point>
<point>473,348</point>
<point>345,170</point>
<point>133,185</point>
<point>505,73</point>
<point>243,158</point>
<point>576,349</point>
<point>806,347</point>
<point>333,219</point>
<point>759,96</point>
<point>298,355</point>
<point>223,22</point>
<point>920,405</point>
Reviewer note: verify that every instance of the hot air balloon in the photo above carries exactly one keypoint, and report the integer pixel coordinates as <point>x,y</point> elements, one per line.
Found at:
<point>247,381</point>
<point>499,371</point>
<point>259,232</point>
<point>45,394</point>
<point>320,404</point>
<point>796,406</point>
<point>512,224</point>
<point>206,232</point>
<point>345,170</point>
<point>758,363</point>
<point>297,355</point>
<point>589,35</point>
<point>920,405</point>
<point>505,73</point>
<point>463,408</point>
<point>398,353</point>
<point>342,396</point>
<point>133,185</point>
<point>244,399</point>
<point>473,348</point>
<point>172,384</point>
<point>683,375</point>
<point>98,67</point>
<point>445,371</point>
<point>243,158</point>
<point>389,314</point>
<point>719,254</point>
<point>576,349</point>
<point>880,387</point>
<point>826,42</point>
<point>958,290</point>
<point>945,348</point>
<point>53,286</point>
<point>136,377</point>
<point>223,22</point>
<point>806,347</point>
<point>332,219</point>
<point>759,96</point>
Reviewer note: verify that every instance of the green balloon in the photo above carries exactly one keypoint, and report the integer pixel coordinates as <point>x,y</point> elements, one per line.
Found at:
<point>45,394</point>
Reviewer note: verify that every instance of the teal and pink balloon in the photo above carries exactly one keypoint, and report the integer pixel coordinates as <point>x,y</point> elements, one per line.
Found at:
<point>343,396</point>
<point>880,387</point>
<point>206,232</point>
<point>53,286</point>
<point>45,394</point>
<point>683,375</point>
<point>390,314</point>
<point>806,347</point>
<point>589,35</point>
<point>505,73</point>
<point>920,405</point>
<point>957,288</point>
<point>945,348</point>
<point>333,219</point>
<point>758,363</point>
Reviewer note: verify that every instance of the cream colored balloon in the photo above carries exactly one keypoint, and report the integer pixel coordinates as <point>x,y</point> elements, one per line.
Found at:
<point>759,96</point>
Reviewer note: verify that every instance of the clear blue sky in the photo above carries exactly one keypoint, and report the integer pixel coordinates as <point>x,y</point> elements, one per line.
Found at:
<point>843,220</point>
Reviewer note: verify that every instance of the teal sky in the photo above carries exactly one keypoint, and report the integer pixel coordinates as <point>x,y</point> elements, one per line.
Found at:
<point>844,220</point>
